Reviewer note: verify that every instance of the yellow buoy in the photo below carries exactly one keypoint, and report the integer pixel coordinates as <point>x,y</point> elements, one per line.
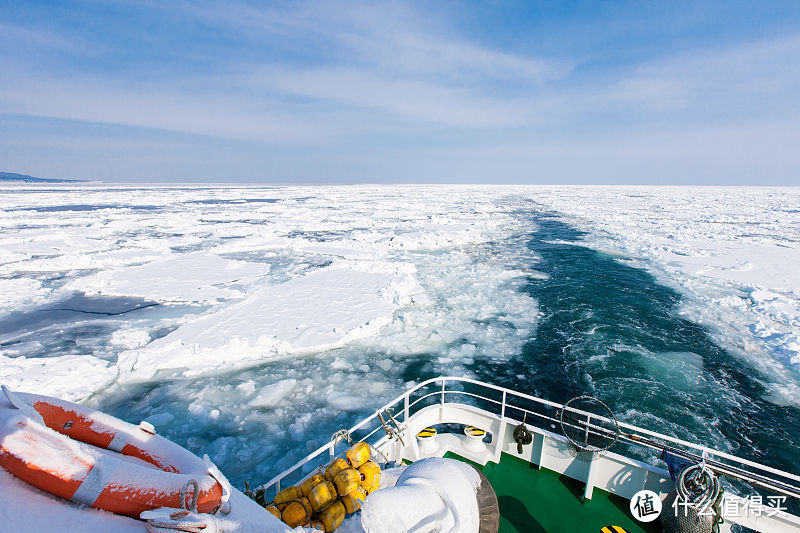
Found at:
<point>352,502</point>
<point>347,481</point>
<point>310,483</point>
<point>358,454</point>
<point>336,466</point>
<point>274,510</point>
<point>283,497</point>
<point>322,495</point>
<point>332,516</point>
<point>375,486</point>
<point>297,513</point>
<point>370,474</point>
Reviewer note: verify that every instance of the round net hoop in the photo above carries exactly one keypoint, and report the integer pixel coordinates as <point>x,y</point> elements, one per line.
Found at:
<point>589,425</point>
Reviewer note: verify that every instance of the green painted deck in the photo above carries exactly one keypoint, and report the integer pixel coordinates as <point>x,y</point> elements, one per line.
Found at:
<point>533,500</point>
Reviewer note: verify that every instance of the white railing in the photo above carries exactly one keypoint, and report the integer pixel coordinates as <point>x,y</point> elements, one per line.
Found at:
<point>633,435</point>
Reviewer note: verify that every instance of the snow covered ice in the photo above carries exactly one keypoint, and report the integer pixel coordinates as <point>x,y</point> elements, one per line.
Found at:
<point>167,303</point>
<point>276,272</point>
<point>298,316</point>
<point>250,323</point>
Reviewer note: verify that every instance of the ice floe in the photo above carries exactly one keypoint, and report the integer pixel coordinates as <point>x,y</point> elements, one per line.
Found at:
<point>318,311</point>
<point>21,293</point>
<point>199,307</point>
<point>192,277</point>
<point>70,377</point>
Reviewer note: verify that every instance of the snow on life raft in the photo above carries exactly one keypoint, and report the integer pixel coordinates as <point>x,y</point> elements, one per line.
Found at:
<point>93,458</point>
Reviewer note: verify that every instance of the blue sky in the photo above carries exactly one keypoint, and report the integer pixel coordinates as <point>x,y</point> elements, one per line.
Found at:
<point>332,92</point>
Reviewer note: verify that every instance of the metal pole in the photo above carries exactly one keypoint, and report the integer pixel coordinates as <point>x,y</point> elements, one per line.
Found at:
<point>586,435</point>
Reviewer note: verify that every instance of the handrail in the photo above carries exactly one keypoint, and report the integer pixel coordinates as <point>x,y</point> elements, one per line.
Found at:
<point>404,398</point>
<point>415,402</point>
<point>674,440</point>
<point>473,395</point>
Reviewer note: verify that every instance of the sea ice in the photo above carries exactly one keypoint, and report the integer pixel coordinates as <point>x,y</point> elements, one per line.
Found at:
<point>194,277</point>
<point>70,377</point>
<point>319,311</point>
<point>272,395</point>
<point>350,293</point>
<point>21,293</point>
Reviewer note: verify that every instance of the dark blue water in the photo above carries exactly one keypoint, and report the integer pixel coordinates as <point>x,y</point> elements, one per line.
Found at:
<point>612,331</point>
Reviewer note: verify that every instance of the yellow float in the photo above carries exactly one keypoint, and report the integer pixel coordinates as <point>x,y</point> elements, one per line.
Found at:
<point>358,454</point>
<point>375,486</point>
<point>370,475</point>
<point>283,497</point>
<point>347,481</point>
<point>332,516</point>
<point>352,502</point>
<point>322,496</point>
<point>297,513</point>
<point>336,466</point>
<point>310,483</point>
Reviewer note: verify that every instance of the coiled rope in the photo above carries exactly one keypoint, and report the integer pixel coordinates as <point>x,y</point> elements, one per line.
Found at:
<point>699,488</point>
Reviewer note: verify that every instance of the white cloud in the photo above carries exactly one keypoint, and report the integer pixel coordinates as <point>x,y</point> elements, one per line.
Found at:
<point>738,78</point>
<point>374,68</point>
<point>400,76</point>
<point>388,37</point>
<point>16,35</point>
<point>163,106</point>
<point>418,101</point>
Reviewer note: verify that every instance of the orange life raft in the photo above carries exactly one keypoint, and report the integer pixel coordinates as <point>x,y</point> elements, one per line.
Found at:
<point>92,458</point>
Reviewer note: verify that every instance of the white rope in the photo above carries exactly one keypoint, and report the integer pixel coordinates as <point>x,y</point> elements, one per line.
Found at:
<point>171,520</point>
<point>190,506</point>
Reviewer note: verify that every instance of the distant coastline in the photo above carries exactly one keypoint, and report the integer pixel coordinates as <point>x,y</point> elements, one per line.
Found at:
<point>24,178</point>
